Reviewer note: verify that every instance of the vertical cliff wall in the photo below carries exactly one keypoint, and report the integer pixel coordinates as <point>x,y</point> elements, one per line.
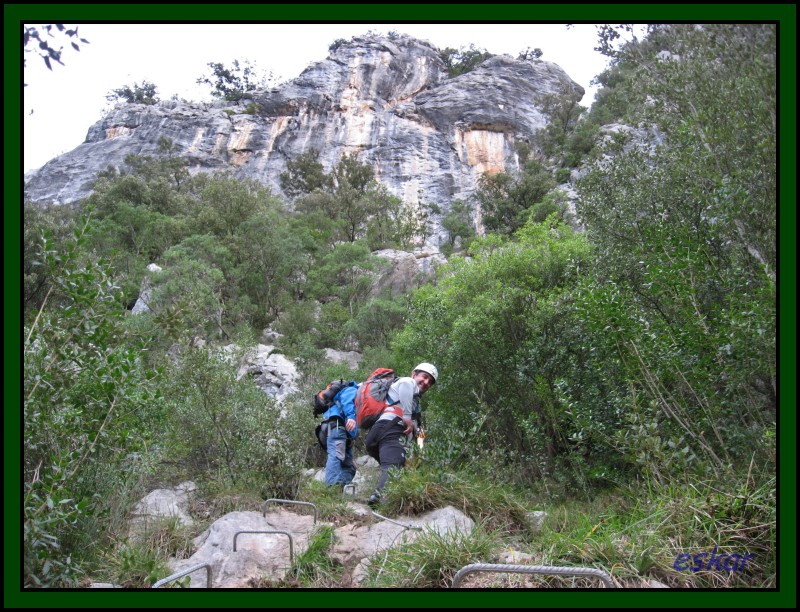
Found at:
<point>428,137</point>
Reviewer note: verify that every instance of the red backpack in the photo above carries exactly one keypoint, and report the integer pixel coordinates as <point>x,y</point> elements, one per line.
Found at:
<point>371,396</point>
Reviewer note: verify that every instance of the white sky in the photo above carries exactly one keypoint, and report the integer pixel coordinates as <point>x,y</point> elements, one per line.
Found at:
<point>60,106</point>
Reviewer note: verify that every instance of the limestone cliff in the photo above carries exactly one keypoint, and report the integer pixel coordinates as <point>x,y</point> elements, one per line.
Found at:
<point>428,137</point>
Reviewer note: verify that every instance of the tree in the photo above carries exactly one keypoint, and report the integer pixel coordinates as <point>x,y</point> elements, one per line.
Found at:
<point>88,413</point>
<point>304,175</point>
<point>191,294</point>
<point>54,224</point>
<point>530,54</point>
<point>685,223</point>
<point>224,203</point>
<point>377,321</point>
<point>271,259</point>
<point>140,93</point>
<point>460,61</point>
<point>345,274</point>
<point>505,199</point>
<point>42,35</point>
<point>492,319</point>
<point>458,223</point>
<point>236,82</point>
<point>348,203</point>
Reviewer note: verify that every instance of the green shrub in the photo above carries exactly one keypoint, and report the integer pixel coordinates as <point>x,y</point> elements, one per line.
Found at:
<point>228,429</point>
<point>562,175</point>
<point>88,416</point>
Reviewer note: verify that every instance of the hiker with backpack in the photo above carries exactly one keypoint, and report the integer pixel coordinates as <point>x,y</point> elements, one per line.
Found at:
<point>338,430</point>
<point>398,422</point>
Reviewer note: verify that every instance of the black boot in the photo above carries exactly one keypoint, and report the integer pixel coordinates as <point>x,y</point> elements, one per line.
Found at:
<point>374,499</point>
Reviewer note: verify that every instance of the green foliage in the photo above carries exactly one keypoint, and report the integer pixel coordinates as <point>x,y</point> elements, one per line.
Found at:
<point>142,559</point>
<point>506,198</point>
<point>193,286</point>
<point>494,504</point>
<point>297,324</point>
<point>460,61</point>
<point>88,410</point>
<point>529,54</point>
<point>376,322</point>
<point>430,561</point>
<point>553,205</point>
<point>41,36</point>
<point>140,93</point>
<point>345,273</point>
<point>564,113</point>
<point>314,567</point>
<point>392,223</point>
<point>224,203</point>
<point>640,531</point>
<point>271,260</point>
<point>304,175</point>
<point>55,224</point>
<point>138,567</point>
<point>348,204</point>
<point>488,322</point>
<point>235,82</point>
<point>685,228</point>
<point>341,281</point>
<point>562,175</point>
<point>639,355</point>
<point>228,430</point>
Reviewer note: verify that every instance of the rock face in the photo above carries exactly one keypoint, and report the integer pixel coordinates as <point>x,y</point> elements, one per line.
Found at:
<point>388,100</point>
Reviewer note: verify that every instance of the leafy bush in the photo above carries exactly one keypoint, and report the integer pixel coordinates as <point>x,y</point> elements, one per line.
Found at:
<point>684,306</point>
<point>463,60</point>
<point>89,406</point>
<point>228,429</point>
<point>487,325</point>
<point>140,93</point>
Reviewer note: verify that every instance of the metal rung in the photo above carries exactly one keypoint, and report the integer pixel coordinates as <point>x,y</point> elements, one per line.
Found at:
<point>286,533</point>
<point>532,569</point>
<point>184,572</point>
<point>289,501</point>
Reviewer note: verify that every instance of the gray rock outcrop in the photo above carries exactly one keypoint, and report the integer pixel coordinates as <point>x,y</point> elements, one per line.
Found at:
<point>239,558</point>
<point>163,503</point>
<point>388,100</point>
<point>272,372</point>
<point>146,291</point>
<point>247,549</point>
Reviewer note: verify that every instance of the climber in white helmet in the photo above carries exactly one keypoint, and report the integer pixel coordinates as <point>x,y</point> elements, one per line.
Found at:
<point>400,423</point>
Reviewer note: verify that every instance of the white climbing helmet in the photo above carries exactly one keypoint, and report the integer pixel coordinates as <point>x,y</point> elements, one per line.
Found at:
<point>428,368</point>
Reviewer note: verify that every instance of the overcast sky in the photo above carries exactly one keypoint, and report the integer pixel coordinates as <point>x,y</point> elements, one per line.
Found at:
<point>60,105</point>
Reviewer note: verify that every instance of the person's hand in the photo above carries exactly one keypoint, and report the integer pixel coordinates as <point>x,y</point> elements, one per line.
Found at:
<point>350,425</point>
<point>409,425</point>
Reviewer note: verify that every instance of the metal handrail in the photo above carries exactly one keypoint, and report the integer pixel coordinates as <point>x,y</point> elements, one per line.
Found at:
<point>412,527</point>
<point>532,569</point>
<point>183,573</point>
<point>286,533</point>
<point>289,501</point>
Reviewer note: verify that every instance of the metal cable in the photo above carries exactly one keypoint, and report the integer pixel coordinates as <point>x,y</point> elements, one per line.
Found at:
<point>532,569</point>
